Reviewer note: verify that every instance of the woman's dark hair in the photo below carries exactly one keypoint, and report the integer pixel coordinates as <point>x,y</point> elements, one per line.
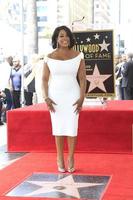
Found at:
<point>56,33</point>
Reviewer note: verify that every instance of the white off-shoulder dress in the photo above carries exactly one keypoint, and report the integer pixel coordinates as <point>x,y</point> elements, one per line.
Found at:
<point>64,90</point>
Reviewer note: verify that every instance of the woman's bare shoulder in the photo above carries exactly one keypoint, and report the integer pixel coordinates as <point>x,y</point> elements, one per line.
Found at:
<point>52,54</point>
<point>49,55</point>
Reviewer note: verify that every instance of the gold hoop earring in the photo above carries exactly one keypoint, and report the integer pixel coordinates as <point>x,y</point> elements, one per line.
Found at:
<point>57,45</point>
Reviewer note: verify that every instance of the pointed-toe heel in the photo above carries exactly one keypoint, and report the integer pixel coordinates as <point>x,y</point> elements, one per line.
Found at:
<point>61,167</point>
<point>62,170</point>
<point>71,170</point>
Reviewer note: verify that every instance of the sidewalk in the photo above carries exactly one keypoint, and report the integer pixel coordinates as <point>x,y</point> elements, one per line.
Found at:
<point>5,157</point>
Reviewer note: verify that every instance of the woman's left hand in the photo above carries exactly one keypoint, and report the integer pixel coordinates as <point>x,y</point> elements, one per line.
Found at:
<point>78,104</point>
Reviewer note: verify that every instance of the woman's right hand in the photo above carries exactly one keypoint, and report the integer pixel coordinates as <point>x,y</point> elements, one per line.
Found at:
<point>50,104</point>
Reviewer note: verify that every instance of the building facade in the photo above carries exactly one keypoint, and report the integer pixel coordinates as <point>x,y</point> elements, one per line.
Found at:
<point>80,14</point>
<point>101,14</point>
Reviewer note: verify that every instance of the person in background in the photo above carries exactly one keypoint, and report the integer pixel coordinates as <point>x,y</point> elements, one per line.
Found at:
<point>1,123</point>
<point>38,80</point>
<point>15,77</point>
<point>5,71</point>
<point>120,80</point>
<point>29,79</point>
<point>35,77</point>
<point>117,61</point>
<point>128,75</point>
<point>63,94</point>
<point>123,80</point>
<point>1,104</point>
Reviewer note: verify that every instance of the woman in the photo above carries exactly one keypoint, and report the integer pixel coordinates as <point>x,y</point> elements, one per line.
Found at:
<point>63,94</point>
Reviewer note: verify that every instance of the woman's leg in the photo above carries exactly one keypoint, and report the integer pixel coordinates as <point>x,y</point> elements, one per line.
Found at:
<point>59,140</point>
<point>71,149</point>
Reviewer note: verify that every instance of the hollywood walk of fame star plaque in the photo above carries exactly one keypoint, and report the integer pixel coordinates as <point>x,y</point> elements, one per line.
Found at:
<point>98,50</point>
<point>85,187</point>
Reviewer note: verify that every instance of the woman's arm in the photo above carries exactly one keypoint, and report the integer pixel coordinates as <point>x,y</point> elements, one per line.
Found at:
<point>82,84</point>
<point>45,80</point>
<point>82,79</point>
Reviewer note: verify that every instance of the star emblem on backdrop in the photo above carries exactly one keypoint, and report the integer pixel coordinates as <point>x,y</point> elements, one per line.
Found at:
<point>96,36</point>
<point>104,46</point>
<point>97,80</point>
<point>65,185</point>
<point>88,39</point>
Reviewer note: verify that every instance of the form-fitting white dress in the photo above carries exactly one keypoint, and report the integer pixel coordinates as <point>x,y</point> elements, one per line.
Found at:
<point>64,90</point>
